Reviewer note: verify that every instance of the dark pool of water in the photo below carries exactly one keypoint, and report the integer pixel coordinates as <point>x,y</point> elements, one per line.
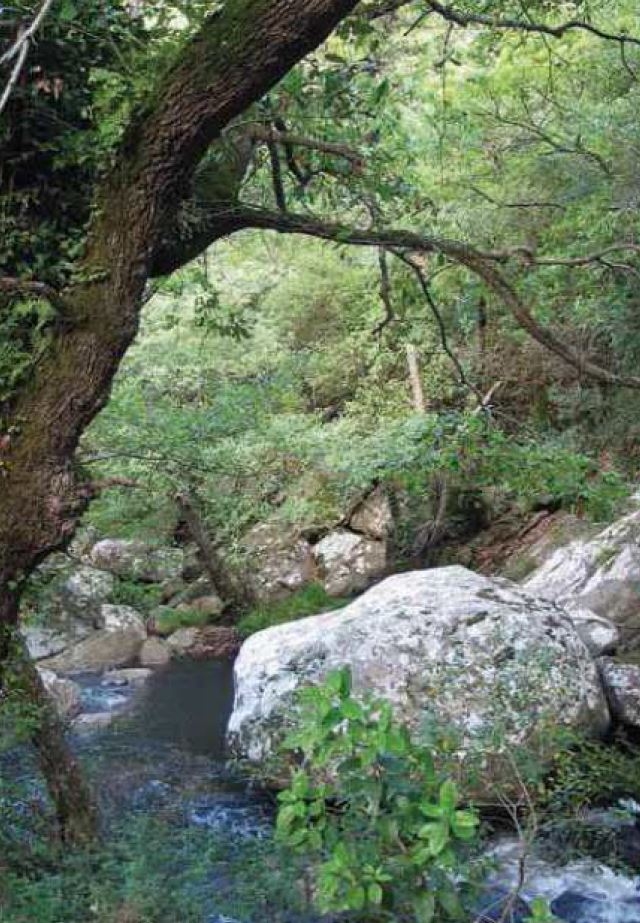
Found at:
<point>188,704</point>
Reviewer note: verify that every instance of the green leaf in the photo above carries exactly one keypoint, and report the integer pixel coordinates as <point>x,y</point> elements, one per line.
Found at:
<point>424,907</point>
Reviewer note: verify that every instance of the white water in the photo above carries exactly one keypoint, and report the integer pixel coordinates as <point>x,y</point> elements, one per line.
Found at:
<point>607,896</point>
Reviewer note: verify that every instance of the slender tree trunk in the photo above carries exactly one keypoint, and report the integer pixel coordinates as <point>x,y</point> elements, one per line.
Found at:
<point>231,590</point>
<point>417,391</point>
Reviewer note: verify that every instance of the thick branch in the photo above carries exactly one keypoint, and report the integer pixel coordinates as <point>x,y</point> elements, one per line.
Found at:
<point>480,263</point>
<point>465,19</point>
<point>524,25</point>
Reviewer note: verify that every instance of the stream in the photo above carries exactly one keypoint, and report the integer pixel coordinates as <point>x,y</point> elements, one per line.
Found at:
<point>164,751</point>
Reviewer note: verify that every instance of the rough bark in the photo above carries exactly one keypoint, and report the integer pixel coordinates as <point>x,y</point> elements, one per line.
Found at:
<point>238,55</point>
<point>70,795</point>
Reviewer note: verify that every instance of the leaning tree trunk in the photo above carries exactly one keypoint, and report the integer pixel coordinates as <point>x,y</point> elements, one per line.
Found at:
<point>238,55</point>
<point>225,581</point>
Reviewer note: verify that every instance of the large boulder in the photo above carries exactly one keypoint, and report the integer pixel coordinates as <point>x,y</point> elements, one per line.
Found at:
<point>44,642</point>
<point>601,574</point>
<point>213,642</point>
<point>475,653</point>
<point>155,653</point>
<point>348,562</point>
<point>116,643</point>
<point>279,560</point>
<point>135,560</point>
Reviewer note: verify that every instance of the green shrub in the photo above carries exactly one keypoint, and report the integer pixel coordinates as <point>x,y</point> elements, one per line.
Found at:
<point>153,870</point>
<point>168,620</point>
<point>141,596</point>
<point>308,601</point>
<point>383,826</point>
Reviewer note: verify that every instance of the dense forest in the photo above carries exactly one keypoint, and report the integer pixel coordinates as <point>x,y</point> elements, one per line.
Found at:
<point>319,450</point>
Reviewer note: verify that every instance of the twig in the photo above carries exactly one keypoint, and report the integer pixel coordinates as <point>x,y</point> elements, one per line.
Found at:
<point>19,51</point>
<point>385,293</point>
<point>426,291</point>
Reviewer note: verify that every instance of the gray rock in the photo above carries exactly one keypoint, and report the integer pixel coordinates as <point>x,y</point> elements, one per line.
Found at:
<point>210,605</point>
<point>602,574</point>
<point>85,591</point>
<point>600,635</point>
<point>134,560</point>
<point>182,640</point>
<point>116,644</point>
<point>373,517</point>
<point>622,685</point>
<point>155,653</point>
<point>475,653</point>
<point>348,563</point>
<point>278,560</point>
<point>65,693</point>
<point>44,642</point>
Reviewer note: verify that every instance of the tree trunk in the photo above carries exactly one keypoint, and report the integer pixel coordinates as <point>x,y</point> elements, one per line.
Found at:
<point>238,55</point>
<point>75,810</point>
<point>415,379</point>
<point>231,590</point>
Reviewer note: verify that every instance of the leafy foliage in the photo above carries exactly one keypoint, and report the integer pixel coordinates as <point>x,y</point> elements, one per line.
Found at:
<point>310,600</point>
<point>385,827</point>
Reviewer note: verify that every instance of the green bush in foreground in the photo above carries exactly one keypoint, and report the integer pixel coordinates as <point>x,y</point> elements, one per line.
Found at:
<point>383,827</point>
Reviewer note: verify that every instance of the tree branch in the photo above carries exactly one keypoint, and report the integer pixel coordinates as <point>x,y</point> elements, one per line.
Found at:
<point>426,291</point>
<point>481,264</point>
<point>465,19</point>
<point>275,136</point>
<point>19,50</point>
<point>21,287</point>
<point>497,22</point>
<point>385,293</point>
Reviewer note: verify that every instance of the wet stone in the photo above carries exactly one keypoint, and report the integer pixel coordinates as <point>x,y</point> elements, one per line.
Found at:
<point>575,907</point>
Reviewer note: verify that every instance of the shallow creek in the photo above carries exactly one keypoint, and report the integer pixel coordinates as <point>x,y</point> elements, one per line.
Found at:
<point>165,751</point>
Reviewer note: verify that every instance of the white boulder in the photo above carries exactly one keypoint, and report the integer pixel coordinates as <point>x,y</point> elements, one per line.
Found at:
<point>446,643</point>
<point>135,560</point>
<point>65,693</point>
<point>348,562</point>
<point>622,684</point>
<point>602,574</point>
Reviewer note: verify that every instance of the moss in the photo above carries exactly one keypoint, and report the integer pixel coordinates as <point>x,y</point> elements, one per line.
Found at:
<point>167,620</point>
<point>606,556</point>
<point>520,568</point>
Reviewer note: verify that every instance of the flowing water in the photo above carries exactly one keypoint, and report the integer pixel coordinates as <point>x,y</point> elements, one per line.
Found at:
<point>165,752</point>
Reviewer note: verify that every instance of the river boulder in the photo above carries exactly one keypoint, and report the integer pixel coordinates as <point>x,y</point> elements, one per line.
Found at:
<point>601,574</point>
<point>138,561</point>
<point>373,516</point>
<point>622,685</point>
<point>83,592</point>
<point>116,643</point>
<point>66,694</point>
<point>444,643</point>
<point>278,561</point>
<point>348,562</point>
